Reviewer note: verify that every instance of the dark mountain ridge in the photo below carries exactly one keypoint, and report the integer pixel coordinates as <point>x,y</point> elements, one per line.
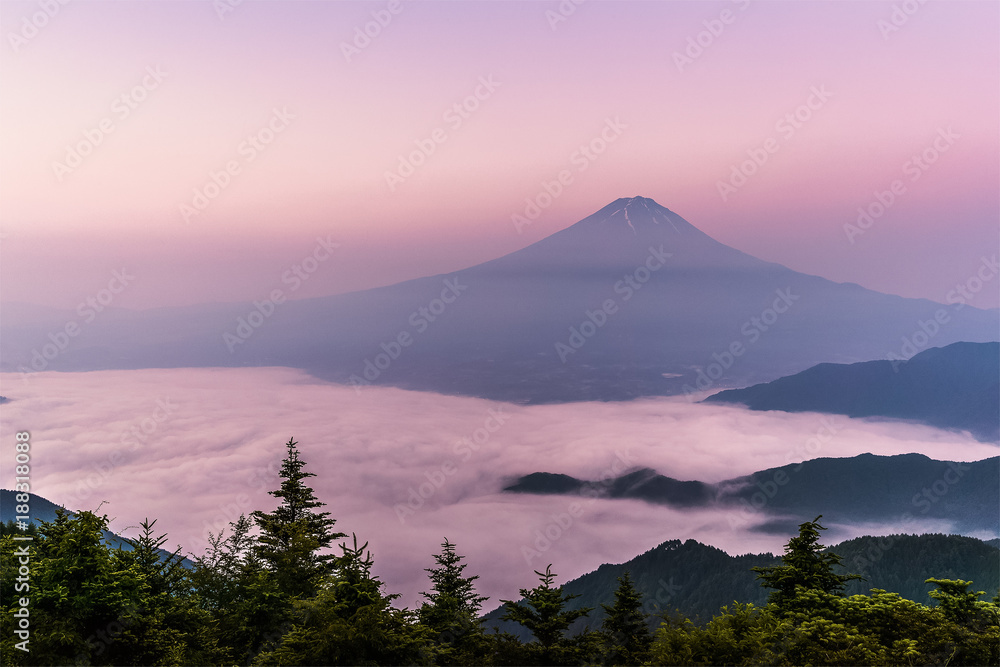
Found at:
<point>697,579</point>
<point>952,387</point>
<point>42,509</point>
<point>864,488</point>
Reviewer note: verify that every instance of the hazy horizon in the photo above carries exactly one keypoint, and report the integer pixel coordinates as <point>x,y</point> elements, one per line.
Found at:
<point>842,106</point>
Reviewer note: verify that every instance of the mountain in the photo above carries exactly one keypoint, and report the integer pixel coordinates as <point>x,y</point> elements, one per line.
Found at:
<point>697,579</point>
<point>630,301</point>
<point>865,488</point>
<point>953,387</point>
<point>42,509</point>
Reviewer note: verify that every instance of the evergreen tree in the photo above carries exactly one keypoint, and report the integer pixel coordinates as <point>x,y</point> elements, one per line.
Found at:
<point>79,604</point>
<point>166,623</point>
<point>627,636</point>
<point>805,566</point>
<point>249,611</point>
<point>292,536</point>
<point>350,622</point>
<point>544,614</point>
<point>451,589</point>
<point>959,604</point>
<point>452,609</point>
<point>10,527</point>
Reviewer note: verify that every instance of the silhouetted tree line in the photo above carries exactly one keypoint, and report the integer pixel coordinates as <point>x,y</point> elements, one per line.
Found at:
<point>268,592</point>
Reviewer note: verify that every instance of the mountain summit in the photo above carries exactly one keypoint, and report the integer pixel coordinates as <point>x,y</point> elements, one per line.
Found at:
<point>620,233</point>
<point>630,301</point>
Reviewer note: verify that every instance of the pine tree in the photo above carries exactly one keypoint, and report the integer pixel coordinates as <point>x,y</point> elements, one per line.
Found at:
<point>79,604</point>
<point>293,534</point>
<point>805,566</point>
<point>452,609</point>
<point>165,622</point>
<point>544,610</point>
<point>450,586</point>
<point>350,622</point>
<point>956,601</point>
<point>627,635</point>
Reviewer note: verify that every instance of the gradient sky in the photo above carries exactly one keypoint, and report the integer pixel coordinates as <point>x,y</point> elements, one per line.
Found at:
<point>891,95</point>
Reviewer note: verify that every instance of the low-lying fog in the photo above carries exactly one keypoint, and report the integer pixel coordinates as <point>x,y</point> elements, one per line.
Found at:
<point>193,448</point>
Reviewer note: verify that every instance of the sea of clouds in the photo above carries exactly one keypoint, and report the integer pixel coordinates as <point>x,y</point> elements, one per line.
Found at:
<point>193,448</point>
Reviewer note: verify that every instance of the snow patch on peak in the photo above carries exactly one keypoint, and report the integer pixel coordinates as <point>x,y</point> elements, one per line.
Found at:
<point>629,221</point>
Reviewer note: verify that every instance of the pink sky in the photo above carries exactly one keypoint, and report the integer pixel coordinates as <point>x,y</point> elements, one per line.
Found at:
<point>891,93</point>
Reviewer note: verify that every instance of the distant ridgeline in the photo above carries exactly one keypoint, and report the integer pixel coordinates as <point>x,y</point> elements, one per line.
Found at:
<point>697,579</point>
<point>42,509</point>
<point>953,387</point>
<point>902,488</point>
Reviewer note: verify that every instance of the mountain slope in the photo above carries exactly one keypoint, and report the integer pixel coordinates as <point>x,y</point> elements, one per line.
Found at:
<point>628,302</point>
<point>955,387</point>
<point>42,509</point>
<point>865,488</point>
<point>697,579</point>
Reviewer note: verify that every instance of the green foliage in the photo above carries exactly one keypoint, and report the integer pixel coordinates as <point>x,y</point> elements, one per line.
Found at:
<point>10,528</point>
<point>626,634</point>
<point>292,536</point>
<point>808,622</point>
<point>543,612</point>
<point>93,604</point>
<point>350,622</point>
<point>167,624</point>
<point>249,612</point>
<point>805,566</point>
<point>264,593</point>
<point>452,609</point>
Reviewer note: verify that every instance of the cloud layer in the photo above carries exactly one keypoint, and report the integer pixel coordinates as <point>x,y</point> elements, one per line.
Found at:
<point>194,448</point>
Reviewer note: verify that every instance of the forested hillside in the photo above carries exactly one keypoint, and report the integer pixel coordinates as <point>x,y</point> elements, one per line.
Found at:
<point>271,591</point>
